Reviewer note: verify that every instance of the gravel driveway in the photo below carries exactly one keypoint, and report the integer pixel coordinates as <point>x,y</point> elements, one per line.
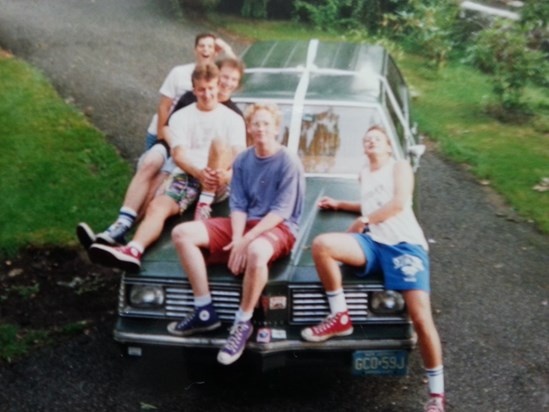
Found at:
<point>490,276</point>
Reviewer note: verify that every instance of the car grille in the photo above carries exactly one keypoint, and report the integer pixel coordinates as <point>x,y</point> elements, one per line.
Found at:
<point>180,302</point>
<point>310,305</point>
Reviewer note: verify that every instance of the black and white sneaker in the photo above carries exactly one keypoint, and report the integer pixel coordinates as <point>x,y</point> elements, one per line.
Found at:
<point>113,236</point>
<point>85,235</point>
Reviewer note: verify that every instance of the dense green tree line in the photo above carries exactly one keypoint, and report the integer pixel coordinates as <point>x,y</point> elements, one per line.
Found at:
<point>513,52</point>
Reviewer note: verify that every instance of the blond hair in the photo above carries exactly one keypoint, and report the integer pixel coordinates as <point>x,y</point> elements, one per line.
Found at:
<point>270,107</point>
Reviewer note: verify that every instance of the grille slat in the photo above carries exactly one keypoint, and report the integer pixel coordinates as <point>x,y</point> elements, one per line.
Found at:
<point>310,305</point>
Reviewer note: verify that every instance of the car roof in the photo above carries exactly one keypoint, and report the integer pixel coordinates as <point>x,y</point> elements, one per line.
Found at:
<point>320,71</point>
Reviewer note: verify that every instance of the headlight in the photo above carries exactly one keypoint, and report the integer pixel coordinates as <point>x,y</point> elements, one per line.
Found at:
<point>146,296</point>
<point>387,302</point>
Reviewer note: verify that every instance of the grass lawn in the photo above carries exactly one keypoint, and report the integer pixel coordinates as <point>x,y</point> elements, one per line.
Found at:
<point>55,167</point>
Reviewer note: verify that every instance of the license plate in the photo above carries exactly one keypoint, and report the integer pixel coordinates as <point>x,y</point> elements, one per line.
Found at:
<point>380,362</point>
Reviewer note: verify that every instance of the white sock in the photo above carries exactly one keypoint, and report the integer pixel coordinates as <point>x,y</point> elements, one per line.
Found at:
<point>137,246</point>
<point>435,378</point>
<point>126,216</point>
<point>206,197</point>
<point>204,300</point>
<point>241,316</point>
<point>336,299</point>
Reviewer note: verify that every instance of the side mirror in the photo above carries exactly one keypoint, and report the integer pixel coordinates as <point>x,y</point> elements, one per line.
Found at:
<point>417,150</point>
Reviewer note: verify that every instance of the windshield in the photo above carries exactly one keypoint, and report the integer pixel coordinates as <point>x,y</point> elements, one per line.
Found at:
<point>330,136</point>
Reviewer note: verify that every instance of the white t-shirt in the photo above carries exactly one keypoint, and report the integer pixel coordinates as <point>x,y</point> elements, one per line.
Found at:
<point>194,130</point>
<point>377,190</point>
<point>177,83</point>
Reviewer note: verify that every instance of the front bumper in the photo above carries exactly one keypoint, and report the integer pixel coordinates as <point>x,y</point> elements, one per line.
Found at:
<point>150,332</point>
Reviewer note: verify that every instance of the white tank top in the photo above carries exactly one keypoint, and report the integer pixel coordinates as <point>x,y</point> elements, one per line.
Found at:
<point>377,189</point>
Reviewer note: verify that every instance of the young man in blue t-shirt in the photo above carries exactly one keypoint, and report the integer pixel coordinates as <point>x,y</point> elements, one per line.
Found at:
<point>267,197</point>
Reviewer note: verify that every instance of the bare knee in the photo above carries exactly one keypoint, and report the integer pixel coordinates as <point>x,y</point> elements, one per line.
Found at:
<point>181,233</point>
<point>258,254</point>
<point>150,165</point>
<point>320,245</point>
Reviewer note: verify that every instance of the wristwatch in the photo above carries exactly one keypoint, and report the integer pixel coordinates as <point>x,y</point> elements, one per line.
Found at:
<point>364,219</point>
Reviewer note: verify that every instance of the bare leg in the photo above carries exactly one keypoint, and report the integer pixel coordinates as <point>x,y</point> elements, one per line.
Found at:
<point>188,238</point>
<point>219,158</point>
<point>142,181</point>
<point>158,211</point>
<point>331,248</point>
<point>419,308</point>
<point>256,273</point>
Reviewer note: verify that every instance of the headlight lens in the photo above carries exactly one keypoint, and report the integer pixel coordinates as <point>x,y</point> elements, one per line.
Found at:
<point>387,302</point>
<point>146,296</point>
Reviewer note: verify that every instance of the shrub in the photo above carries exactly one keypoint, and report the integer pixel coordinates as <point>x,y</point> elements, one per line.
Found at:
<point>427,25</point>
<point>502,50</point>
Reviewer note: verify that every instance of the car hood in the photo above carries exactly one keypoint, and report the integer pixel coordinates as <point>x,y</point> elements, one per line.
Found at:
<point>161,259</point>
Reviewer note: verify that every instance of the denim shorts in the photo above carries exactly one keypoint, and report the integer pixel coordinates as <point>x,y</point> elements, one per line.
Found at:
<point>404,266</point>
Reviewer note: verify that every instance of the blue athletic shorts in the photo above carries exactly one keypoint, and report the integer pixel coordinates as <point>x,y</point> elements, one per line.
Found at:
<point>404,266</point>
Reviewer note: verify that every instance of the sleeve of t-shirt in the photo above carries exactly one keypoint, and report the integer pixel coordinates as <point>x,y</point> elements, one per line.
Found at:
<point>288,190</point>
<point>237,130</point>
<point>177,81</point>
<point>178,124</point>
<point>238,200</point>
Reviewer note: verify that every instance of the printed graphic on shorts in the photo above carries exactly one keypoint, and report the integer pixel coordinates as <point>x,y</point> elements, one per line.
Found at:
<point>409,266</point>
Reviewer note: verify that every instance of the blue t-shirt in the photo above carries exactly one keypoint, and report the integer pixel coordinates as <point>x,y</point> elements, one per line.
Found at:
<point>274,184</point>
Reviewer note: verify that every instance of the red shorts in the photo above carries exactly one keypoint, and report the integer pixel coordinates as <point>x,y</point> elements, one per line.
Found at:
<point>220,233</point>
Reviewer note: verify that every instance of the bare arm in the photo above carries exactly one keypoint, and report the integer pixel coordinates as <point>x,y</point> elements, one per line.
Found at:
<point>328,203</point>
<point>221,46</point>
<point>184,163</point>
<point>163,113</point>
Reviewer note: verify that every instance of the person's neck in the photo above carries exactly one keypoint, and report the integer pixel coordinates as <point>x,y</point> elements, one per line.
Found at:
<point>377,162</point>
<point>206,109</point>
<point>267,150</point>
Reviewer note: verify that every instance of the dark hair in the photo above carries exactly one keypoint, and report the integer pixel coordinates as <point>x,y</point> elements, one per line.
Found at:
<point>203,36</point>
<point>206,72</point>
<point>233,63</point>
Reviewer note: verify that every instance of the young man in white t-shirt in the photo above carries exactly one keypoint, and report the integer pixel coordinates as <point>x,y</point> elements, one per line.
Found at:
<point>204,138</point>
<point>148,176</point>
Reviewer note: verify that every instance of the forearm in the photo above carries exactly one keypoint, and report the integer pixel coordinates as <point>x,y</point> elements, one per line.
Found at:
<point>163,115</point>
<point>268,222</point>
<point>238,224</point>
<point>184,163</point>
<point>347,206</point>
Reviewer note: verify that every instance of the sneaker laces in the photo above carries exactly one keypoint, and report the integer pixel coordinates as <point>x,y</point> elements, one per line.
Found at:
<point>326,324</point>
<point>235,335</point>
<point>435,404</point>
<point>185,322</point>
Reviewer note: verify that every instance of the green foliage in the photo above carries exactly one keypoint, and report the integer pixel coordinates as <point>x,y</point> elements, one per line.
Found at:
<point>27,292</point>
<point>535,14</point>
<point>338,15</point>
<point>429,26</point>
<point>502,51</point>
<point>200,5</point>
<point>15,342</point>
<point>255,8</point>
<point>449,110</point>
